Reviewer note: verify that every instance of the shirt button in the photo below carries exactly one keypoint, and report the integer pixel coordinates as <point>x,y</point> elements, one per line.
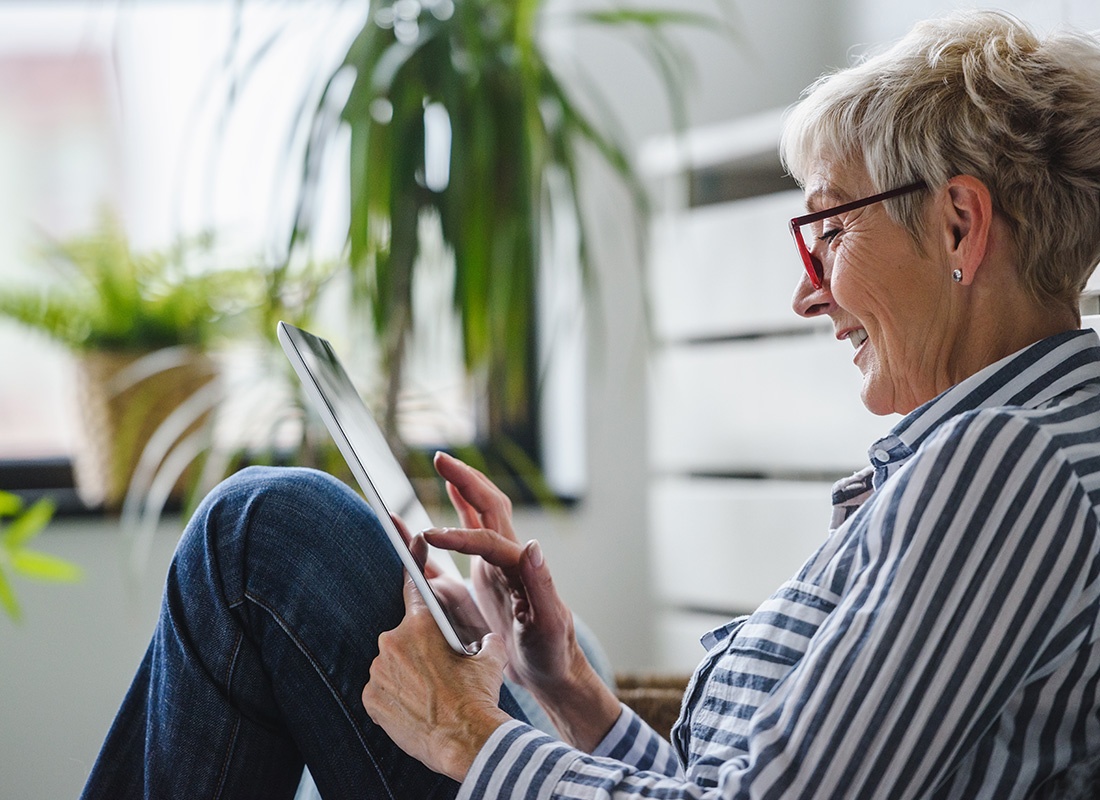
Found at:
<point>882,455</point>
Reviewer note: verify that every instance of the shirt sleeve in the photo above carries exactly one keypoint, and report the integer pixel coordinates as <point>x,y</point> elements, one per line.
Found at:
<point>527,763</point>
<point>976,566</point>
<point>633,742</point>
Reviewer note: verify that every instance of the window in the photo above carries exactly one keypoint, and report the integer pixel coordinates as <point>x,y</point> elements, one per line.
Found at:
<point>126,105</point>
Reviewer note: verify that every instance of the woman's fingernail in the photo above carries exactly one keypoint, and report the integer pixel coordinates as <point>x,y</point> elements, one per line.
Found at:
<point>534,553</point>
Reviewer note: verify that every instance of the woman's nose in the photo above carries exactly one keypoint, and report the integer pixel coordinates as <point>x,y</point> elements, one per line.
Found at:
<point>809,301</point>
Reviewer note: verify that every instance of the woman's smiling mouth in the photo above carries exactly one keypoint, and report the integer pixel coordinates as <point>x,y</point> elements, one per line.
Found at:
<point>857,337</point>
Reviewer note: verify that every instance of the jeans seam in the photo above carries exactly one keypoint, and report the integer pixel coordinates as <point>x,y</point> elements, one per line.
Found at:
<point>228,757</point>
<point>315,663</point>
<point>228,683</point>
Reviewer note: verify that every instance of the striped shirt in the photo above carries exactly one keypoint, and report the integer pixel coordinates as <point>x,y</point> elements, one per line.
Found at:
<point>941,643</point>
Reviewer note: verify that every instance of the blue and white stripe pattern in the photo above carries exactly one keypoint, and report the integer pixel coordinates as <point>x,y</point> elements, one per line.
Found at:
<point>941,643</point>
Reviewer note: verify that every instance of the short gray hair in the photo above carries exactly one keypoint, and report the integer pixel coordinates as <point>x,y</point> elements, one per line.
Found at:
<point>975,93</point>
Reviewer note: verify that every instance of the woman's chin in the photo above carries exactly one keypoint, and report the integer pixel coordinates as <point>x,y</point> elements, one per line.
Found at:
<point>875,399</point>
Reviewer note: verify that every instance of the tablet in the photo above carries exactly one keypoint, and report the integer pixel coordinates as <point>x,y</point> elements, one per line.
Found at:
<point>384,483</point>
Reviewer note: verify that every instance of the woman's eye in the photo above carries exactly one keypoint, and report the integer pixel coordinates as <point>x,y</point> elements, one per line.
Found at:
<point>829,235</point>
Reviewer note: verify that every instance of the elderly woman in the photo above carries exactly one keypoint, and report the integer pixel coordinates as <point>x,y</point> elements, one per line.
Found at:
<point>942,642</point>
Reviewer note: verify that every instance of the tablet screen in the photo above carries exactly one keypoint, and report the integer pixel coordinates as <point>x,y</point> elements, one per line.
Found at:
<point>386,486</point>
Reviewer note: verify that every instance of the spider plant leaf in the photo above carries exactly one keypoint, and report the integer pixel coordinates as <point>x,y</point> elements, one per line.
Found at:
<point>565,160</point>
<point>576,124</point>
<point>8,600</point>
<point>725,23</point>
<point>141,535</point>
<point>318,139</point>
<point>648,17</point>
<point>44,567</point>
<point>314,118</point>
<point>474,456</point>
<point>172,430</point>
<point>27,525</point>
<point>674,70</point>
<point>10,504</point>
<point>239,76</point>
<point>241,72</point>
<point>671,61</point>
<point>528,472</point>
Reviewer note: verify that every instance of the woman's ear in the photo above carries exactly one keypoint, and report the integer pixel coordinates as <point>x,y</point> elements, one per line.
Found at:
<point>967,224</point>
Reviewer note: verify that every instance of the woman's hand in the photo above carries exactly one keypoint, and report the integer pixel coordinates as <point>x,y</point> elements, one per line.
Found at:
<point>534,623</point>
<point>449,590</point>
<point>436,705</point>
<point>516,594</point>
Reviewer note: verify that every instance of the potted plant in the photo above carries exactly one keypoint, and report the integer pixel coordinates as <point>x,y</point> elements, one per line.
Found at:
<point>139,325</point>
<point>473,74</point>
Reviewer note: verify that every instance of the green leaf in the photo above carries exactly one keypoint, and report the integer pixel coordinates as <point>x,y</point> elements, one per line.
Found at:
<point>28,525</point>
<point>7,598</point>
<point>528,472</point>
<point>10,504</point>
<point>44,567</point>
<point>389,66</point>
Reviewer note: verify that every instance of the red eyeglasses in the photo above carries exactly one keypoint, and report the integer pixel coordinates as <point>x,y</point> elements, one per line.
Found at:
<point>814,267</point>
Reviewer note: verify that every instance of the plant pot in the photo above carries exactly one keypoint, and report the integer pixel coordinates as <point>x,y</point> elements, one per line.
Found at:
<point>124,399</point>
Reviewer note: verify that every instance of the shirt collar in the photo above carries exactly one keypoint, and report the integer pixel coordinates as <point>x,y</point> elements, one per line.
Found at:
<point>1028,378</point>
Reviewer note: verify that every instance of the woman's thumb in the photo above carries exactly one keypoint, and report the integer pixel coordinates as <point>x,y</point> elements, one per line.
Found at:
<point>492,648</point>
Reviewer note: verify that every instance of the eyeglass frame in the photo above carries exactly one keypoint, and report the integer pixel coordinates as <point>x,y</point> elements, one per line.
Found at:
<point>808,258</point>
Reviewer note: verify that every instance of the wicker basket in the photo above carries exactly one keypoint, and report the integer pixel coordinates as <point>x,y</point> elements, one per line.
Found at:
<point>120,412</point>
<point>655,698</point>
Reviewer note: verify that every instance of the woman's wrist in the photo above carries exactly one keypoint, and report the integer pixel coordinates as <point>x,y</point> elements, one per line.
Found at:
<point>581,706</point>
<point>461,746</point>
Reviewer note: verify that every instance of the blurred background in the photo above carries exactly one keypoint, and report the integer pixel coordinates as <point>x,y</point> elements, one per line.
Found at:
<point>170,133</point>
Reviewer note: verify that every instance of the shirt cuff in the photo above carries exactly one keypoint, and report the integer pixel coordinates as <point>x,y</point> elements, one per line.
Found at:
<point>634,743</point>
<point>517,761</point>
<point>619,731</point>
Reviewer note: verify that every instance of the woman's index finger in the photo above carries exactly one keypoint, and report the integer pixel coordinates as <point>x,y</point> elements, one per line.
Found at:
<point>478,491</point>
<point>494,548</point>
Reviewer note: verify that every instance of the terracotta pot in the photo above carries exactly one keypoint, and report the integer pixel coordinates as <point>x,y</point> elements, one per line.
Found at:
<point>124,397</point>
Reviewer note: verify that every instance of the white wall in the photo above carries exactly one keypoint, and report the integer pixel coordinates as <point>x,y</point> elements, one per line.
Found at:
<point>875,21</point>
<point>66,667</point>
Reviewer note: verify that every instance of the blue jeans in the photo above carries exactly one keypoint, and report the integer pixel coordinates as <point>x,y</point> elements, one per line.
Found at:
<point>278,591</point>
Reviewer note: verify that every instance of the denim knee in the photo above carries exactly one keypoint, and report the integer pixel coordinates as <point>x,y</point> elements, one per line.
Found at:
<point>280,524</point>
<point>253,482</point>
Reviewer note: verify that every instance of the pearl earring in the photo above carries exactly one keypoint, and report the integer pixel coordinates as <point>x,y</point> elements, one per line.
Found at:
<point>957,276</point>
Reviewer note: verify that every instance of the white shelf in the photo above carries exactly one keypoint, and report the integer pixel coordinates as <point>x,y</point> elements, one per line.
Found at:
<point>748,141</point>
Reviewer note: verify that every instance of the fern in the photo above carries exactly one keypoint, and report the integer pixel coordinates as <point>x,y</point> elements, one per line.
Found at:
<point>108,297</point>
